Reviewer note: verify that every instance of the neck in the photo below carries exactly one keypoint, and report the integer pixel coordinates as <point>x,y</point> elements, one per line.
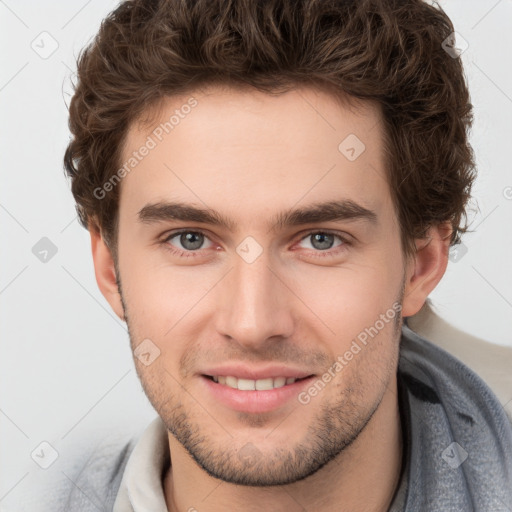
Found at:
<point>363,477</point>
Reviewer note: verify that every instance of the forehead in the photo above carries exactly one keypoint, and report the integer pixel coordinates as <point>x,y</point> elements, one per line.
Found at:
<point>246,152</point>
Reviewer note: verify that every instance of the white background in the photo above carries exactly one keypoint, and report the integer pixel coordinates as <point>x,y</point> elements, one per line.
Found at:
<point>67,372</point>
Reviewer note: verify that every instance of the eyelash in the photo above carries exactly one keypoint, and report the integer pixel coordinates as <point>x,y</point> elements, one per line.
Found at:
<point>192,254</point>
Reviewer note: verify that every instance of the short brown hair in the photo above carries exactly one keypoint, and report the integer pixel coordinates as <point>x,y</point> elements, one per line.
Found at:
<point>388,51</point>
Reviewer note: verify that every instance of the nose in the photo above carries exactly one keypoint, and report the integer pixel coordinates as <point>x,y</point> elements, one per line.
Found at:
<point>255,304</point>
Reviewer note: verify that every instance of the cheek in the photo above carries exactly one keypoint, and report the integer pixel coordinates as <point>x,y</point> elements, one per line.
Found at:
<point>157,294</point>
<point>348,299</point>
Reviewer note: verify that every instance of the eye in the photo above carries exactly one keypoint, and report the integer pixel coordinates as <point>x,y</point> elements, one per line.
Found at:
<point>324,241</point>
<point>190,241</point>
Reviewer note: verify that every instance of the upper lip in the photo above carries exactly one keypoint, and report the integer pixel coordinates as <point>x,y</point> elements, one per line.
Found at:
<point>246,372</point>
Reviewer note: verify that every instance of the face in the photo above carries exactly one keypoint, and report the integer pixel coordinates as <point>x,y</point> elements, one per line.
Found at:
<point>297,273</point>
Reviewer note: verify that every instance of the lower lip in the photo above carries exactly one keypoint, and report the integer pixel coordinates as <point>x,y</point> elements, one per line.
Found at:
<point>255,401</point>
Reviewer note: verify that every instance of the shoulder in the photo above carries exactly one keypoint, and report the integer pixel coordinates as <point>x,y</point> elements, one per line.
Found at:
<point>98,475</point>
<point>491,362</point>
<point>441,377</point>
<point>459,436</point>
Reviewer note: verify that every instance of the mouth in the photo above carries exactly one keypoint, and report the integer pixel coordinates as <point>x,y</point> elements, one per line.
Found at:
<point>265,384</point>
<point>254,395</point>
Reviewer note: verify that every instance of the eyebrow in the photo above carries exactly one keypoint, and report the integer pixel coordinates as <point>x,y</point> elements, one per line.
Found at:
<point>341,210</point>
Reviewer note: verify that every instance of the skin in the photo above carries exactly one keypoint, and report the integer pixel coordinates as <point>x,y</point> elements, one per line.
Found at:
<point>249,155</point>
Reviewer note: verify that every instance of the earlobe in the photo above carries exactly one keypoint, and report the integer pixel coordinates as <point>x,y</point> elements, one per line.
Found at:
<point>104,270</point>
<point>426,268</point>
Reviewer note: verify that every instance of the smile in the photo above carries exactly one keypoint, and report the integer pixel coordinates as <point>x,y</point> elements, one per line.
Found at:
<point>254,395</point>
<point>253,385</point>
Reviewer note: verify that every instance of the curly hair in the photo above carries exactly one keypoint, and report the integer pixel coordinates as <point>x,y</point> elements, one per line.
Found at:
<point>387,51</point>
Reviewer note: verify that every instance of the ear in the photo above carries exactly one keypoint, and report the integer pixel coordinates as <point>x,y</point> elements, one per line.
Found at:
<point>426,268</point>
<point>105,272</point>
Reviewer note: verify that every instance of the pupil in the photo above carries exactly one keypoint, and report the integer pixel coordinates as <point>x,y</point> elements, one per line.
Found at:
<point>191,240</point>
<point>322,241</point>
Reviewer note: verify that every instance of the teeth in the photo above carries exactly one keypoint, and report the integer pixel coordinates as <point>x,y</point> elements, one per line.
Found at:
<point>232,382</point>
<point>251,385</point>
<point>279,382</point>
<point>264,384</point>
<point>245,384</point>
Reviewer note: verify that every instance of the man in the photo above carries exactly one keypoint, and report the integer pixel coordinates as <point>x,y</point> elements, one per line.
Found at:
<point>271,188</point>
